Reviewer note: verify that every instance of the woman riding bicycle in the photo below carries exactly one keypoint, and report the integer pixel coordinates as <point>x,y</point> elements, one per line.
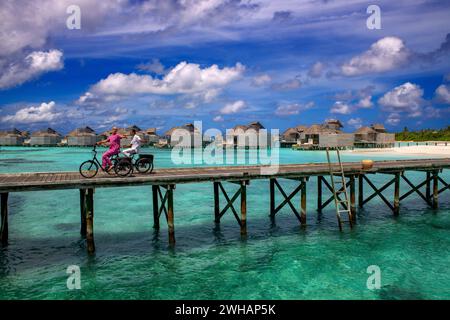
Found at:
<point>114,147</point>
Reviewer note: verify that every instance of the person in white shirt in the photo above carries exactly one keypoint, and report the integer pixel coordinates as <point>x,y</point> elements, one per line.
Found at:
<point>135,146</point>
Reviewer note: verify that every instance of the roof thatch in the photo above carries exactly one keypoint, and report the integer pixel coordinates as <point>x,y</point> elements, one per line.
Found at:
<point>252,125</point>
<point>45,132</point>
<point>334,122</point>
<point>151,131</point>
<point>365,130</point>
<point>378,127</point>
<point>319,128</point>
<point>135,127</point>
<point>11,132</point>
<point>86,131</point>
<point>189,127</point>
<point>301,128</point>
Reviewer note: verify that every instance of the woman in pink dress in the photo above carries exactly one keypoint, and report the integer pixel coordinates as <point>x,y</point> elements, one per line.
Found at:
<point>114,147</point>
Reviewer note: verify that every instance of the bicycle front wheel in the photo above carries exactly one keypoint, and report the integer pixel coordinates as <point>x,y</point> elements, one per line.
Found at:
<point>144,165</point>
<point>88,169</point>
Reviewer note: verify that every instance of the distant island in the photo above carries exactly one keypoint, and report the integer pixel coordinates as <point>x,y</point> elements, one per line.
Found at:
<point>424,135</point>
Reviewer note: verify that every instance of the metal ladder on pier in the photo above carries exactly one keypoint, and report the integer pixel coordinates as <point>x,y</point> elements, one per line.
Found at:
<point>342,205</point>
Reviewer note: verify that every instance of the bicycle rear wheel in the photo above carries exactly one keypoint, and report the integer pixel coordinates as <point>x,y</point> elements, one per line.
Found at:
<point>123,167</point>
<point>88,169</point>
<point>144,165</point>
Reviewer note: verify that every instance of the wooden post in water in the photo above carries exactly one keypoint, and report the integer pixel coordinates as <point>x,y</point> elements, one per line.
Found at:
<point>397,194</point>
<point>243,208</point>
<point>353,198</point>
<point>435,189</point>
<point>83,212</point>
<point>216,203</point>
<point>155,207</point>
<point>319,194</point>
<point>428,187</point>
<point>272,197</point>
<point>303,202</point>
<point>360,190</point>
<point>90,220</point>
<point>4,218</point>
<point>170,217</point>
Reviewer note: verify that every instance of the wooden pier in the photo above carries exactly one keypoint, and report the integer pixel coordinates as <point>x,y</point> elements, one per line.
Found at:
<point>164,181</point>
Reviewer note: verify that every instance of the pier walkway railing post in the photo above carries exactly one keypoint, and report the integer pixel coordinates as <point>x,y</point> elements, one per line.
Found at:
<point>4,219</point>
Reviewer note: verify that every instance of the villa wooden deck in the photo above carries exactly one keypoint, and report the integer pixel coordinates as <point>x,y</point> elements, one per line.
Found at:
<point>163,183</point>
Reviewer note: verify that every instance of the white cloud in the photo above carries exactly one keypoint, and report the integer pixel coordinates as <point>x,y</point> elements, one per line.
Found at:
<point>386,54</point>
<point>340,107</point>
<point>184,78</point>
<point>31,66</point>
<point>292,109</point>
<point>233,107</point>
<point>355,122</point>
<point>407,98</point>
<point>290,84</point>
<point>365,102</point>
<point>316,70</point>
<point>443,93</point>
<point>393,119</point>
<point>44,113</point>
<point>154,66</point>
<point>218,119</point>
<point>261,80</point>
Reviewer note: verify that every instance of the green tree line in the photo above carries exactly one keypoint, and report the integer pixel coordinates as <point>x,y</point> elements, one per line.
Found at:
<point>424,135</point>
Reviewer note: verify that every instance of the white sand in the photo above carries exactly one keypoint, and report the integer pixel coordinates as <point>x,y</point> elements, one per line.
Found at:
<point>421,150</point>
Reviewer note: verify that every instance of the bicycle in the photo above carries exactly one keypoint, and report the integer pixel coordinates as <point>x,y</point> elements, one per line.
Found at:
<point>126,165</point>
<point>89,168</point>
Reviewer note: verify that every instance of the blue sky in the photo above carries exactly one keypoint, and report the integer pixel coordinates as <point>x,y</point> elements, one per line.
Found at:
<point>165,63</point>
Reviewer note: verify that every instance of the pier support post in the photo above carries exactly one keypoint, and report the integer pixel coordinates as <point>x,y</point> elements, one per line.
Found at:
<point>243,208</point>
<point>435,189</point>
<point>360,190</point>
<point>4,219</point>
<point>155,207</point>
<point>83,212</point>
<point>164,203</point>
<point>353,198</point>
<point>397,194</point>
<point>272,197</point>
<point>90,220</point>
<point>242,193</point>
<point>216,203</point>
<point>319,194</point>
<point>428,187</point>
<point>170,216</point>
<point>303,202</point>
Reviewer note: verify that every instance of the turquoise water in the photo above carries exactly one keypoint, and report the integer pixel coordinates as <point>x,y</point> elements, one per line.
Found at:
<point>277,260</point>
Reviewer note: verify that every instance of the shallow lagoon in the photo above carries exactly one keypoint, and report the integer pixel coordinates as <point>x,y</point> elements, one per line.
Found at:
<point>276,261</point>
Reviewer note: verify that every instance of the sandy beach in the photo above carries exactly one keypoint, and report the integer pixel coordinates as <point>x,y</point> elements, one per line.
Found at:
<point>421,150</point>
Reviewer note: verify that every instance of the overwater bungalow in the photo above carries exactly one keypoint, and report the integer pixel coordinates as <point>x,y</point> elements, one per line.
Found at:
<point>13,137</point>
<point>82,137</point>
<point>327,135</point>
<point>47,137</point>
<point>292,136</point>
<point>374,136</point>
<point>152,136</point>
<point>246,130</point>
<point>126,131</point>
<point>172,137</point>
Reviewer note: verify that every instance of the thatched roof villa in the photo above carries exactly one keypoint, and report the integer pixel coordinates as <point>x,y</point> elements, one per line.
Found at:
<point>82,137</point>
<point>47,137</point>
<point>13,137</point>
<point>169,138</point>
<point>152,136</point>
<point>375,136</point>
<point>328,134</point>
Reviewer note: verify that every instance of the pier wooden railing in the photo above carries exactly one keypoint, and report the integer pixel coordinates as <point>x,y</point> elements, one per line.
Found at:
<point>164,181</point>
